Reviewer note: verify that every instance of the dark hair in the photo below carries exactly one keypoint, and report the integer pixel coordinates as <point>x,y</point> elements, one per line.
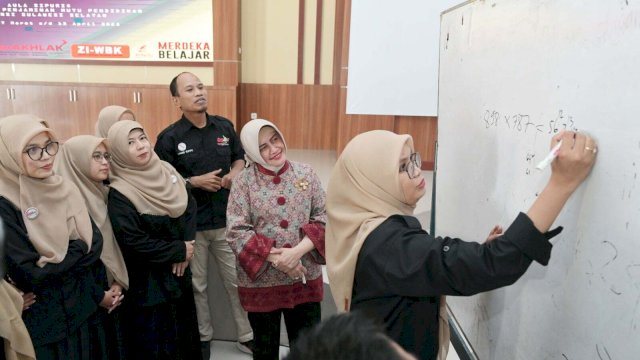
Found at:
<point>348,336</point>
<point>173,85</point>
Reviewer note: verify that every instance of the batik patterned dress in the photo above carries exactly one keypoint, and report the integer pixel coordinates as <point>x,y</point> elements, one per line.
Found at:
<point>276,210</point>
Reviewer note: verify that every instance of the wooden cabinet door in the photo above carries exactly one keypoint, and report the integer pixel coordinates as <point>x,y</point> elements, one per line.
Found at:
<point>221,101</point>
<point>155,110</point>
<point>53,103</point>
<point>72,109</point>
<point>80,111</point>
<point>6,100</point>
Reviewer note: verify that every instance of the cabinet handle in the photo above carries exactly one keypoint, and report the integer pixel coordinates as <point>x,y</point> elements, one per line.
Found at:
<point>139,97</point>
<point>13,93</point>
<point>75,96</point>
<point>8,94</point>
<point>70,96</point>
<point>136,97</point>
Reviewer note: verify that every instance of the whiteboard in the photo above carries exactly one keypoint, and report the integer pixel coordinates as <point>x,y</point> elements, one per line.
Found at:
<point>512,73</point>
<point>393,57</point>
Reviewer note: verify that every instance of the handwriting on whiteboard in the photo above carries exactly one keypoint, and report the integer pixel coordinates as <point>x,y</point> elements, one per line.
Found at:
<point>524,123</point>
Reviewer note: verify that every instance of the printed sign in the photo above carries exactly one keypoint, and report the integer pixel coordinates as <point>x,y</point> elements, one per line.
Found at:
<point>120,30</point>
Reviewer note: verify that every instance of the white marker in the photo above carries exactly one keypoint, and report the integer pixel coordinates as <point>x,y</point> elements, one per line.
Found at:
<point>550,157</point>
<point>304,278</point>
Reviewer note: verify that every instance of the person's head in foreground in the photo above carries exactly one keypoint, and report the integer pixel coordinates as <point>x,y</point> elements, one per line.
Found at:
<point>348,336</point>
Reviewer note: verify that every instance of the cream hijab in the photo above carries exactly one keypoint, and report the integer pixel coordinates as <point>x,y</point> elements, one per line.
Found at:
<point>17,342</point>
<point>74,163</point>
<point>155,188</point>
<point>251,143</point>
<point>364,190</point>
<point>108,116</point>
<point>61,212</point>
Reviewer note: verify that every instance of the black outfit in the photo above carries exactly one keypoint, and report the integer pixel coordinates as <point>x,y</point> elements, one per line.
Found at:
<point>402,271</point>
<point>159,311</point>
<point>195,151</point>
<point>63,322</point>
<point>296,319</point>
<point>114,326</point>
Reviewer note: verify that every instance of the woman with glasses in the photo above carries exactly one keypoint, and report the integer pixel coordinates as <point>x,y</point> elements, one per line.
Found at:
<point>381,261</point>
<point>53,247</point>
<point>275,226</point>
<point>84,160</point>
<point>154,221</point>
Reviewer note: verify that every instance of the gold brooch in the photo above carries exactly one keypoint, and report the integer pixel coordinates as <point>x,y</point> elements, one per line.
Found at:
<point>301,184</point>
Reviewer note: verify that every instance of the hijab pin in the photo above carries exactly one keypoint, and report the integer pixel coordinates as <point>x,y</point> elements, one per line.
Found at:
<point>32,213</point>
<point>302,184</point>
<point>174,179</point>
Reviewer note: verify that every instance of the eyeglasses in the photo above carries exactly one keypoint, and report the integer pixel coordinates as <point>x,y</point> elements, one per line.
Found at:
<point>414,161</point>
<point>98,156</point>
<point>35,152</point>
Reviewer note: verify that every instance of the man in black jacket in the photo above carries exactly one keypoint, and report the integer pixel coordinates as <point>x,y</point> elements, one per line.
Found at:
<point>207,152</point>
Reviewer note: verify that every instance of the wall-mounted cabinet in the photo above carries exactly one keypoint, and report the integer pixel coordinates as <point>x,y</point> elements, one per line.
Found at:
<point>72,109</point>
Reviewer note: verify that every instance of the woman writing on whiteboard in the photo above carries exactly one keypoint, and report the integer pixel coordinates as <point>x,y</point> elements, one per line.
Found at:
<point>382,262</point>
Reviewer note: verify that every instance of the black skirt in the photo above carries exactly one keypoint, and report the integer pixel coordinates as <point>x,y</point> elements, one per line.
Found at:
<point>89,341</point>
<point>165,331</point>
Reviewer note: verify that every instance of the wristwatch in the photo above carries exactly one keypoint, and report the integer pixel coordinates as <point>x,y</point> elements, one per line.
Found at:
<point>188,180</point>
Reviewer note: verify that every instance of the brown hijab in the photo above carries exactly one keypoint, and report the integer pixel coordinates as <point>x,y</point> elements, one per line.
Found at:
<point>59,208</point>
<point>155,188</point>
<point>364,189</point>
<point>17,342</point>
<point>74,163</point>
<point>108,116</point>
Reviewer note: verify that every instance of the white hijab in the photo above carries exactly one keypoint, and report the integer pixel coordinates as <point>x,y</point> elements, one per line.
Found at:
<point>251,143</point>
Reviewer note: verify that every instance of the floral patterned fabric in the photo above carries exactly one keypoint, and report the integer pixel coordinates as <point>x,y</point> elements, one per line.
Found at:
<point>268,210</point>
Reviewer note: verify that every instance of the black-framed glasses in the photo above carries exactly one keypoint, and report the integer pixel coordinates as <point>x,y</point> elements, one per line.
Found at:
<point>98,156</point>
<point>35,152</point>
<point>415,161</point>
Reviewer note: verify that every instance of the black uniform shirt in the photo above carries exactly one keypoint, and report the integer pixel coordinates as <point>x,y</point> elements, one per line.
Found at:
<point>194,151</point>
<point>402,271</point>
<point>150,245</point>
<point>68,292</point>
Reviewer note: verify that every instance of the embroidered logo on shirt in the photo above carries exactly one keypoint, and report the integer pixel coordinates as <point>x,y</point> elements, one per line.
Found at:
<point>223,141</point>
<point>182,149</point>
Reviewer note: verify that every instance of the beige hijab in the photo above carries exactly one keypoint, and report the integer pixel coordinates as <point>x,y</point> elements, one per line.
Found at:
<point>108,116</point>
<point>61,212</point>
<point>74,163</point>
<point>364,189</point>
<point>251,143</point>
<point>155,188</point>
<point>17,342</point>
